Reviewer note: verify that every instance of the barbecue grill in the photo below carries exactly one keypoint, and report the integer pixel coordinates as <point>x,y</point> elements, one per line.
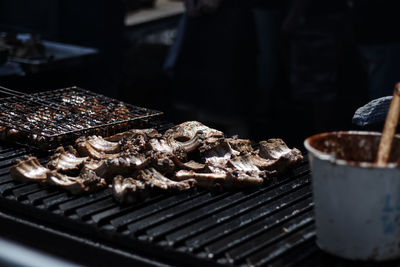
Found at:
<point>46,118</point>
<point>272,225</point>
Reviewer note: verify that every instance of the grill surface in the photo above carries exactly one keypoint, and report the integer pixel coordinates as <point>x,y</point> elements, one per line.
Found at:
<point>272,225</point>
<point>45,117</point>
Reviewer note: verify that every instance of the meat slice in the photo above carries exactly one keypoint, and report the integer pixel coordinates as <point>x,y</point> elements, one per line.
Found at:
<point>133,134</point>
<point>86,149</point>
<point>229,172</point>
<point>103,145</point>
<point>189,129</point>
<point>87,181</point>
<point>156,180</point>
<point>98,166</point>
<point>240,145</point>
<point>274,155</point>
<point>160,145</point>
<point>162,155</point>
<point>219,154</point>
<point>29,170</point>
<point>205,180</point>
<point>129,190</point>
<point>125,165</point>
<point>190,135</point>
<point>65,162</point>
<point>243,173</point>
<point>190,165</point>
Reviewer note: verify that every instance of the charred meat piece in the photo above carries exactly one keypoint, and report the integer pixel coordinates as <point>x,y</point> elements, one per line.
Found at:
<point>190,135</point>
<point>29,170</point>
<point>133,134</point>
<point>190,128</point>
<point>134,140</point>
<point>205,180</point>
<point>161,146</point>
<point>65,162</point>
<point>243,173</point>
<point>228,172</point>
<point>124,165</point>
<point>86,149</point>
<point>240,145</point>
<point>190,165</point>
<point>102,145</point>
<point>87,181</point>
<point>98,166</point>
<point>219,155</point>
<point>162,162</point>
<point>274,154</point>
<point>129,190</point>
<point>156,180</point>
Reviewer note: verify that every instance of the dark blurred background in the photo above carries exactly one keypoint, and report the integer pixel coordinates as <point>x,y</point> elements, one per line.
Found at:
<point>259,69</point>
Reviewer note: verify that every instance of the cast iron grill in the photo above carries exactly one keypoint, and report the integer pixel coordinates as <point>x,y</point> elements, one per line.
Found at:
<point>263,226</point>
<point>46,118</point>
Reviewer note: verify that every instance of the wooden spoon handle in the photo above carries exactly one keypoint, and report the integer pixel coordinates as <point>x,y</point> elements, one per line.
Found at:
<point>389,130</point>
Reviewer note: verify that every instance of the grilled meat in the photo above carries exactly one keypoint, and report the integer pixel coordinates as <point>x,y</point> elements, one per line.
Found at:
<point>29,170</point>
<point>156,180</point>
<point>190,135</point>
<point>98,166</point>
<point>162,155</point>
<point>103,145</point>
<point>87,181</point>
<point>129,190</point>
<point>219,154</point>
<point>65,162</point>
<point>125,165</point>
<point>243,173</point>
<point>274,155</point>
<point>134,134</point>
<point>189,129</point>
<point>85,149</point>
<point>205,180</point>
<point>190,165</point>
<point>240,145</point>
<point>237,172</point>
<point>188,154</point>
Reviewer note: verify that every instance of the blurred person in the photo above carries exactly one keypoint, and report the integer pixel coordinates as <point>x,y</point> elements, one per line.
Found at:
<point>213,64</point>
<point>328,79</point>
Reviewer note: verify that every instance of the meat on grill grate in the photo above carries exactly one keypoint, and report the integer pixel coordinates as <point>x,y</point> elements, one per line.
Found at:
<point>87,181</point>
<point>29,170</point>
<point>66,161</point>
<point>140,162</point>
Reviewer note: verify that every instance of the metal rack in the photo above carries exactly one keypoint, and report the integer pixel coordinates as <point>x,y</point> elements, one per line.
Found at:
<point>48,117</point>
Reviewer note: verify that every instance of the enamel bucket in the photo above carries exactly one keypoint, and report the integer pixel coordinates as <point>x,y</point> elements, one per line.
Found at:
<point>357,205</point>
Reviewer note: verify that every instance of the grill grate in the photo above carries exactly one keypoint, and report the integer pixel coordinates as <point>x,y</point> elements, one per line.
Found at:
<point>255,227</point>
<point>46,118</point>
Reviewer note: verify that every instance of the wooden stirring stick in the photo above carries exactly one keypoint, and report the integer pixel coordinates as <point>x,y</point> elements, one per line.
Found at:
<point>389,130</point>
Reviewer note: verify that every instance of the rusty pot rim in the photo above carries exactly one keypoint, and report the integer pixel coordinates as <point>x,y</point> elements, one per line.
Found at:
<point>331,157</point>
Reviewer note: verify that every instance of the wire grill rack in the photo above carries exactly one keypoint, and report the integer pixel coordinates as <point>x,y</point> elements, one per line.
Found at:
<point>46,118</point>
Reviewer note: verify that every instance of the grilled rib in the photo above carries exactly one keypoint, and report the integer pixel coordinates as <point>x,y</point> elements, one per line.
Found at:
<point>65,162</point>
<point>87,181</point>
<point>156,180</point>
<point>29,170</point>
<point>205,180</point>
<point>85,149</point>
<point>129,190</point>
<point>133,134</point>
<point>275,155</point>
<point>190,135</point>
<point>102,145</point>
